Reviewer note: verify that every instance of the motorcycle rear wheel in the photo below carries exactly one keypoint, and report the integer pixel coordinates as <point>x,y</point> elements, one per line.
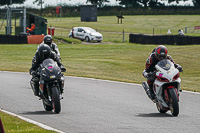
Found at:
<point>56,100</point>
<point>159,109</point>
<point>174,107</point>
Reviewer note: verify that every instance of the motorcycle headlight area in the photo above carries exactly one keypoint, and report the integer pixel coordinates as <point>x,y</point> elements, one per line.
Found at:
<point>52,77</point>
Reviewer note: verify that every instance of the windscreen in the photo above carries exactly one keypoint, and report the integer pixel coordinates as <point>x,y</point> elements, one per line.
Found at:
<point>165,64</point>
<point>50,65</point>
<point>48,62</point>
<point>89,30</point>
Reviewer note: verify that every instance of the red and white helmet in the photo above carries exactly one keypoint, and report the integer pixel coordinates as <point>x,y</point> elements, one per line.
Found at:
<point>161,52</point>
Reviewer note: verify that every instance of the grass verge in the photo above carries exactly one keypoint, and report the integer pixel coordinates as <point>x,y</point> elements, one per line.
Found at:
<point>13,124</point>
<point>120,62</point>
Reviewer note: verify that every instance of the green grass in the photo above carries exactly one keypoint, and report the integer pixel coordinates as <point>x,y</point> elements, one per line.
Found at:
<point>111,30</point>
<point>132,24</point>
<point>12,124</point>
<point>113,61</point>
<point>136,24</point>
<point>66,40</point>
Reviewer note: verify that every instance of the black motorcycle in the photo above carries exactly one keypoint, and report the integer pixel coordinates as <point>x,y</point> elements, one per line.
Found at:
<point>51,84</point>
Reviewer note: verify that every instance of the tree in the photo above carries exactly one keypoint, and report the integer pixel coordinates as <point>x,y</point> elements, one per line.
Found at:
<point>177,1</point>
<point>144,2</point>
<point>98,2</point>
<point>138,3</point>
<point>148,3</point>
<point>129,3</point>
<point>39,2</point>
<point>154,3</point>
<point>196,3</point>
<point>9,2</point>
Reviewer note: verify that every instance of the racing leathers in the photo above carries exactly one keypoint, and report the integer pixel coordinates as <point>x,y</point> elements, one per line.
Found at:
<point>36,61</point>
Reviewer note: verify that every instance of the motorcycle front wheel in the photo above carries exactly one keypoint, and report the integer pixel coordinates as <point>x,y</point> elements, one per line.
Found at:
<point>47,107</point>
<point>56,100</point>
<point>159,109</point>
<point>174,107</point>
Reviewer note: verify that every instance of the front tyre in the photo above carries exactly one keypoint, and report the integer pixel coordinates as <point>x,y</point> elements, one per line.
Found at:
<point>46,107</point>
<point>174,107</point>
<point>160,110</point>
<point>56,100</point>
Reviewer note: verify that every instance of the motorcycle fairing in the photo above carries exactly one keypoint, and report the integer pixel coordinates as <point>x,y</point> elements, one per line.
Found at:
<point>167,76</point>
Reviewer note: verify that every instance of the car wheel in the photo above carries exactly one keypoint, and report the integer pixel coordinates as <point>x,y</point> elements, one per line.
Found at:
<point>70,36</point>
<point>87,39</point>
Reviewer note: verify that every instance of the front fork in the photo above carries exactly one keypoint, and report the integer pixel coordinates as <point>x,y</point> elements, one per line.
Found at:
<point>62,84</point>
<point>167,93</point>
<point>53,85</point>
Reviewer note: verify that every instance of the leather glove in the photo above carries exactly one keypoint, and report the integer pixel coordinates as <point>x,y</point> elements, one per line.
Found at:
<point>33,73</point>
<point>180,69</point>
<point>148,75</point>
<point>63,69</point>
<point>145,74</point>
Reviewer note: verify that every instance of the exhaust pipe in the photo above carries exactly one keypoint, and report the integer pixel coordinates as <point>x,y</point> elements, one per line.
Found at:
<point>146,88</point>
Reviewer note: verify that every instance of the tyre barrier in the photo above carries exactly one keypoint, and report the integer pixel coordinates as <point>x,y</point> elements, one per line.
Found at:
<point>11,39</point>
<point>164,39</point>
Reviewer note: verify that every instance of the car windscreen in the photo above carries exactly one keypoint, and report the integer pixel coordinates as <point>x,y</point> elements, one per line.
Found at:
<point>90,30</point>
<point>165,64</point>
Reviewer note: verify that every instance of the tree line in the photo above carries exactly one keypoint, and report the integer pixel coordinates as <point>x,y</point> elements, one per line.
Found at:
<point>108,10</point>
<point>74,11</point>
<point>142,3</point>
<point>100,3</point>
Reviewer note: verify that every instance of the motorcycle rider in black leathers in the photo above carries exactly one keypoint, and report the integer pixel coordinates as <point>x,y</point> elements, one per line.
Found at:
<point>44,52</point>
<point>48,40</point>
<point>159,53</point>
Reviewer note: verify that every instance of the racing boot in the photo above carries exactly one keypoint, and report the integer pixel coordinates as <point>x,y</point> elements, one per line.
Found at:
<point>36,89</point>
<point>153,96</point>
<point>149,90</point>
<point>146,88</point>
<point>35,85</point>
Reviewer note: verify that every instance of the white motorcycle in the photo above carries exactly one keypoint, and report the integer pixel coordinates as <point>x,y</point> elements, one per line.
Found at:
<point>166,87</point>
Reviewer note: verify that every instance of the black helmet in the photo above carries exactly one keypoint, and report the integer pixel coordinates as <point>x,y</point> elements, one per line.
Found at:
<point>48,40</point>
<point>161,52</point>
<point>44,51</point>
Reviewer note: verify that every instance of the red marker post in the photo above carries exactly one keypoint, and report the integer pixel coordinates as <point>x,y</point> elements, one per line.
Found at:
<point>58,11</point>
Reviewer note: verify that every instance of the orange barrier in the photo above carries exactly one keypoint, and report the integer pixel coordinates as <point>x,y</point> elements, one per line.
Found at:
<point>1,127</point>
<point>35,39</point>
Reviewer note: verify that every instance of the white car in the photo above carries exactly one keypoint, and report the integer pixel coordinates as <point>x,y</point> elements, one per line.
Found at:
<point>85,33</point>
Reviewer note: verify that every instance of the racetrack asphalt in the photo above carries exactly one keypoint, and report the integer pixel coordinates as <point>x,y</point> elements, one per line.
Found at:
<point>99,106</point>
